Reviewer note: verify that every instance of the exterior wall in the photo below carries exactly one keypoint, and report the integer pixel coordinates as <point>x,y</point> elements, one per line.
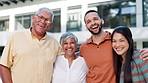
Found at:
<point>9,12</point>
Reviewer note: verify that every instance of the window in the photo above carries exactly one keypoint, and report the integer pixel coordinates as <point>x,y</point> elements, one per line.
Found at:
<point>1,50</point>
<point>4,25</point>
<point>135,45</point>
<point>56,27</point>
<point>145,44</point>
<point>23,22</point>
<point>145,12</point>
<point>74,19</point>
<point>117,13</point>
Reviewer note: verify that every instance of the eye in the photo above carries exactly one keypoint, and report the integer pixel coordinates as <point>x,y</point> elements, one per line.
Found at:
<point>65,43</point>
<point>96,18</point>
<point>73,42</point>
<point>113,40</point>
<point>41,17</point>
<point>122,40</point>
<point>88,21</point>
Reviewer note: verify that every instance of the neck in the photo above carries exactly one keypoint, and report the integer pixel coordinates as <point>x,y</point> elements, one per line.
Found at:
<point>70,59</point>
<point>98,38</point>
<point>33,32</point>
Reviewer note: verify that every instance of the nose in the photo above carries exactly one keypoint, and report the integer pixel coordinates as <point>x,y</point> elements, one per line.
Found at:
<point>117,44</point>
<point>92,22</point>
<point>43,20</point>
<point>69,45</point>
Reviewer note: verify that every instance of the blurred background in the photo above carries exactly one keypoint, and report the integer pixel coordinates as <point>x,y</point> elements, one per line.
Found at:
<point>15,15</point>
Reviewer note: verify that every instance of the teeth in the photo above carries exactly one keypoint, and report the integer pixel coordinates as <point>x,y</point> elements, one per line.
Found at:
<point>94,27</point>
<point>41,25</point>
<point>69,49</point>
<point>118,49</point>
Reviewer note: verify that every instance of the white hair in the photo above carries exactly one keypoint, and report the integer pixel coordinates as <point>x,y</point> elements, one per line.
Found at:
<point>47,10</point>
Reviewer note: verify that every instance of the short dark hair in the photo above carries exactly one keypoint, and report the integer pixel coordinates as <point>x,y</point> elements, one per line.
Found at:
<point>89,11</point>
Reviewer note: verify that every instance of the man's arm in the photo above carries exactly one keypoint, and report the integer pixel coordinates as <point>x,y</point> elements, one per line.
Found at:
<point>144,54</point>
<point>5,74</point>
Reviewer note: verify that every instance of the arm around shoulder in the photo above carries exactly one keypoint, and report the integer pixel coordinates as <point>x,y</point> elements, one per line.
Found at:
<point>144,69</point>
<point>144,54</point>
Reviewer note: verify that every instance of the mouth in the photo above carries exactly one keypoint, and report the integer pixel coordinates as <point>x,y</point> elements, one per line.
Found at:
<point>94,27</point>
<point>118,49</point>
<point>69,49</point>
<point>41,25</point>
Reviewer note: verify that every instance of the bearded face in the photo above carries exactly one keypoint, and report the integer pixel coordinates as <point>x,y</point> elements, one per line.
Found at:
<point>96,33</point>
<point>93,23</point>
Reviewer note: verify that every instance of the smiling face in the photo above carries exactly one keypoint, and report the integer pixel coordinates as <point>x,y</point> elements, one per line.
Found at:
<point>69,46</point>
<point>41,23</point>
<point>120,44</point>
<point>93,23</point>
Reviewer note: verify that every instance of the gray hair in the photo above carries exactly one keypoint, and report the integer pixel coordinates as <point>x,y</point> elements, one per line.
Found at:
<point>47,10</point>
<point>66,36</point>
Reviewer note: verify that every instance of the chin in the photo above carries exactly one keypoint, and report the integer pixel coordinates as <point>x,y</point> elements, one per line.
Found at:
<point>119,53</point>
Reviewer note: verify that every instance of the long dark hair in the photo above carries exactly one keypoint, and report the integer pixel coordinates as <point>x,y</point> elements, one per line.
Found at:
<point>125,31</point>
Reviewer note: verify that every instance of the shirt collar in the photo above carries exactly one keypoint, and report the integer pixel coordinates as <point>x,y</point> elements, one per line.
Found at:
<point>107,37</point>
<point>33,37</point>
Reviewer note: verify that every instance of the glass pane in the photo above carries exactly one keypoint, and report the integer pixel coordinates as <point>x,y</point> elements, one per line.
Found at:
<point>23,22</point>
<point>56,27</point>
<point>145,44</point>
<point>145,12</point>
<point>74,19</point>
<point>1,25</point>
<point>135,45</point>
<point>117,13</point>
<point>4,25</point>
<point>27,23</point>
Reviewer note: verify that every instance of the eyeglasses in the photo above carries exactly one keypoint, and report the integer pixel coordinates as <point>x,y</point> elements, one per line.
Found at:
<point>43,18</point>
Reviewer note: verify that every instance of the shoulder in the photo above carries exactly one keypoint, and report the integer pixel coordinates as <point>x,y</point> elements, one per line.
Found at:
<point>136,54</point>
<point>19,33</point>
<point>139,61</point>
<point>59,58</point>
<point>83,45</point>
<point>81,59</point>
<point>136,57</point>
<point>52,40</point>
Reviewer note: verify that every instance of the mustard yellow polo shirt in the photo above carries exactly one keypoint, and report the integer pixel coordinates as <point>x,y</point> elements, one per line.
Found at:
<point>30,60</point>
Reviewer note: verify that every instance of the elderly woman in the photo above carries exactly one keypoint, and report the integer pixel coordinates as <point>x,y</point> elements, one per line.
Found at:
<point>69,68</point>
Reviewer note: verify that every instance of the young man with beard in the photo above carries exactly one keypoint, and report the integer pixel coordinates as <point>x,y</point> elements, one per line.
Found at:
<point>29,55</point>
<point>97,51</point>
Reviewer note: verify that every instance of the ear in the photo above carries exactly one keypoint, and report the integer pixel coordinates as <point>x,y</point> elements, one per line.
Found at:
<point>50,24</point>
<point>102,21</point>
<point>33,17</point>
<point>86,26</point>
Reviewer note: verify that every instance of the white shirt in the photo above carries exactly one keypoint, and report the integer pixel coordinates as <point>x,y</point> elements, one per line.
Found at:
<point>75,74</point>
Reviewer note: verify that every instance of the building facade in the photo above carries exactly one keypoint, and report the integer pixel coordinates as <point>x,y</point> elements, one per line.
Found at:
<point>15,15</point>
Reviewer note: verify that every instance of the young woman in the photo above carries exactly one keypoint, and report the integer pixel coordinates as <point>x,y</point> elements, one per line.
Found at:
<point>69,68</point>
<point>129,67</point>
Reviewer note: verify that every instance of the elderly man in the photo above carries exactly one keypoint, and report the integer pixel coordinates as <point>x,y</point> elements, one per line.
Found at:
<point>29,55</point>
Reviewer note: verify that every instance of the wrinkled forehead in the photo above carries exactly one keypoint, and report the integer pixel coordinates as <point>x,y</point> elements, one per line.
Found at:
<point>44,14</point>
